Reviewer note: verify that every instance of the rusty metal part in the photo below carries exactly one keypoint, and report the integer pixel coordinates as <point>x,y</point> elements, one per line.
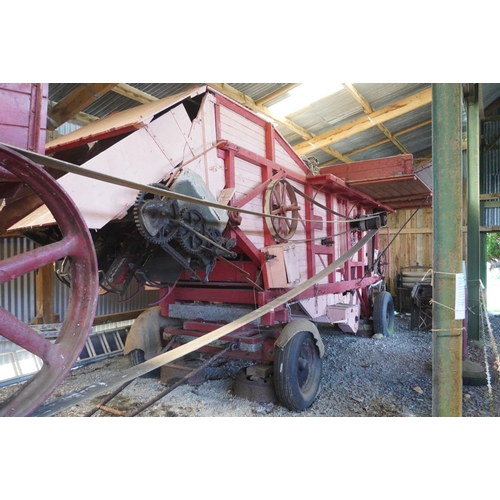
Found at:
<point>92,391</point>
<point>254,388</point>
<point>166,391</point>
<point>76,242</point>
<point>235,218</point>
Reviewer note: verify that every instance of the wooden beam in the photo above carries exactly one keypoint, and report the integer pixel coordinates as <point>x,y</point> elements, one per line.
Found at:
<point>384,141</point>
<point>276,93</point>
<point>82,97</point>
<point>135,94</point>
<point>489,196</point>
<point>243,99</point>
<point>117,317</point>
<point>367,108</point>
<point>366,122</point>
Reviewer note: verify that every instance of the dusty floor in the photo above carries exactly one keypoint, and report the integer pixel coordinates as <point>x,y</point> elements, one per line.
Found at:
<point>362,377</point>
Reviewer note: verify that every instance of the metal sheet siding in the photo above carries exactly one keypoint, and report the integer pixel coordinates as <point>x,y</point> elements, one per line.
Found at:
<point>109,303</point>
<point>18,296</point>
<point>490,170</point>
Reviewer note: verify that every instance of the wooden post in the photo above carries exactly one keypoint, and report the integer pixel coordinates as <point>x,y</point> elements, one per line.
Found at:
<point>44,292</point>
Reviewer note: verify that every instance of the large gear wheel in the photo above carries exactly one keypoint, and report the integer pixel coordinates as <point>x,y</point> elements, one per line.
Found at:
<point>191,219</point>
<point>156,216</point>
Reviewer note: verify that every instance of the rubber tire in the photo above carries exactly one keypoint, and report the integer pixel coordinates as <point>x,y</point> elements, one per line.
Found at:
<point>136,357</point>
<point>292,390</point>
<point>383,314</point>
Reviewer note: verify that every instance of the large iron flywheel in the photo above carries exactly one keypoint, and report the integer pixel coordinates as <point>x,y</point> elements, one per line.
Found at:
<point>76,245</point>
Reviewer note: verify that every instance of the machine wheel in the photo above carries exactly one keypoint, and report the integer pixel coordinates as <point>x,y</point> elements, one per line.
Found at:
<point>383,314</point>
<point>280,199</point>
<point>297,372</point>
<point>76,245</point>
<point>136,357</point>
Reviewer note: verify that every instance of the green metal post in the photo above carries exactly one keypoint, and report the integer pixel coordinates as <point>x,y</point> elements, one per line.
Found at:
<point>447,218</point>
<point>482,239</point>
<point>473,222</point>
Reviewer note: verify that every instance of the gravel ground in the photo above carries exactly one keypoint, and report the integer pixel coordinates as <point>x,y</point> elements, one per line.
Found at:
<point>362,377</point>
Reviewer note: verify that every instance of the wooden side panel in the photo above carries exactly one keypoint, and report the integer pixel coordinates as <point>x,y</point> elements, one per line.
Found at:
<point>414,244</point>
<point>145,156</point>
<point>284,158</point>
<point>241,131</point>
<point>300,235</point>
<point>247,177</point>
<point>201,141</point>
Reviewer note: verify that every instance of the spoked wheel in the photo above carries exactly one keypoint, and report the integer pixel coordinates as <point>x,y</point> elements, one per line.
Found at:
<point>281,200</point>
<point>76,244</point>
<point>383,314</point>
<point>297,372</point>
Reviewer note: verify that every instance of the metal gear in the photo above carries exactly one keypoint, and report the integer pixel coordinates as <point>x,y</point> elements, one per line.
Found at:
<point>191,222</point>
<point>156,217</point>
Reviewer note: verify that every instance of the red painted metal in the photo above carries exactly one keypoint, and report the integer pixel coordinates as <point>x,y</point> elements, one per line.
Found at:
<point>23,115</point>
<point>76,244</point>
<point>393,180</point>
<point>23,123</point>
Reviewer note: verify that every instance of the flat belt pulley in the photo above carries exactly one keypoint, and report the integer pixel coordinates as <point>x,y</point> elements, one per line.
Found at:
<point>280,200</point>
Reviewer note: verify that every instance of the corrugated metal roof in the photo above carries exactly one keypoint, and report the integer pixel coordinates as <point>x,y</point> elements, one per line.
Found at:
<point>324,115</point>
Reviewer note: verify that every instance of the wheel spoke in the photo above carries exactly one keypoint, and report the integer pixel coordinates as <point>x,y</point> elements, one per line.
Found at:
<point>22,264</point>
<point>24,336</point>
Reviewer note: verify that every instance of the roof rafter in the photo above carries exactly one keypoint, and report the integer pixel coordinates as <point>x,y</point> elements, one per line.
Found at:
<point>367,108</point>
<point>83,96</point>
<point>365,122</point>
<point>276,93</point>
<point>383,141</point>
<point>135,94</point>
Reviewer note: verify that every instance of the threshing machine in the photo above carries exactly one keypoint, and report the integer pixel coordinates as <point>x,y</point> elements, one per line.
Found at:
<point>248,244</point>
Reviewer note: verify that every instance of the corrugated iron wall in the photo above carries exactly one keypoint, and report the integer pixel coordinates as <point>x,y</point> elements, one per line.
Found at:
<point>18,296</point>
<point>490,169</point>
<point>109,303</point>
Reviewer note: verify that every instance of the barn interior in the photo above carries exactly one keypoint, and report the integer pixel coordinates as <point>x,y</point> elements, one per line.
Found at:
<point>425,154</point>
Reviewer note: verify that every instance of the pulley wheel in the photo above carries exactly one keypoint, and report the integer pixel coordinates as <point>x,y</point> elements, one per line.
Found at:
<point>76,245</point>
<point>281,200</point>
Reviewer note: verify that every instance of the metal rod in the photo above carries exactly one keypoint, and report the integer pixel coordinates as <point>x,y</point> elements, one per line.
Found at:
<point>180,381</point>
<point>107,399</point>
<point>447,218</point>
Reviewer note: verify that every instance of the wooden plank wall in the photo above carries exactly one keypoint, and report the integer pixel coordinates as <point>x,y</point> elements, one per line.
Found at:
<point>414,244</point>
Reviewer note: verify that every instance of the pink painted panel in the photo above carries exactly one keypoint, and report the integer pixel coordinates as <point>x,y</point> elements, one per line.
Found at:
<point>243,132</point>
